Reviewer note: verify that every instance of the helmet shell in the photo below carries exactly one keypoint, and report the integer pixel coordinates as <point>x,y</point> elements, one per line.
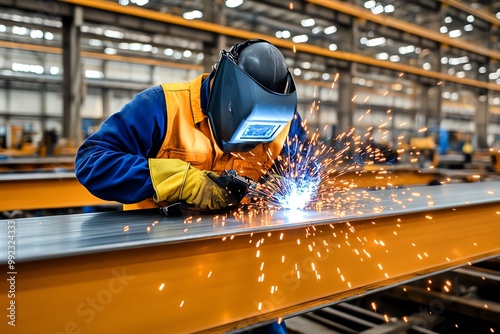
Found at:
<point>266,64</point>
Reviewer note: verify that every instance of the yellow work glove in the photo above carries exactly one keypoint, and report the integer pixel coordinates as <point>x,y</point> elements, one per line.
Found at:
<point>175,180</point>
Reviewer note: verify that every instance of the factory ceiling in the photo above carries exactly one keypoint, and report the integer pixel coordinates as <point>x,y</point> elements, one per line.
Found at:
<point>299,22</point>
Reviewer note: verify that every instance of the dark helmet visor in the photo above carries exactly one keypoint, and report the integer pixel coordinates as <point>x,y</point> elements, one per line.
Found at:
<point>242,112</point>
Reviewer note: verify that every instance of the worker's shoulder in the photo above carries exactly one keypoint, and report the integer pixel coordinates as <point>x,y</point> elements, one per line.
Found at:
<point>153,93</point>
<point>176,86</point>
<point>150,98</point>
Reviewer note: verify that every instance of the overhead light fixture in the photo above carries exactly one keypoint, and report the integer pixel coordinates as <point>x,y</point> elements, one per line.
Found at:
<point>467,67</point>
<point>48,36</point>
<point>493,76</point>
<point>468,27</point>
<point>459,60</point>
<point>140,2</point>
<point>233,3</point>
<point>444,60</point>
<point>448,19</point>
<point>382,56</point>
<point>168,52</point>
<point>455,33</point>
<point>330,30</point>
<point>92,74</point>
<point>426,66</point>
<point>375,41</point>
<point>297,71</point>
<point>36,34</point>
<point>300,39</point>
<point>110,51</point>
<point>370,4</point>
<point>146,48</point>
<point>307,23</point>
<point>97,42</point>
<point>54,70</point>
<point>18,67</point>
<point>134,46</point>
<point>389,8</point>
<point>16,30</point>
<point>482,70</point>
<point>3,28</point>
<point>406,49</point>
<point>113,33</point>
<point>470,18</point>
<point>283,34</point>
<point>394,58</point>
<point>378,9</point>
<point>443,29</point>
<point>195,14</point>
<point>316,30</point>
<point>332,47</point>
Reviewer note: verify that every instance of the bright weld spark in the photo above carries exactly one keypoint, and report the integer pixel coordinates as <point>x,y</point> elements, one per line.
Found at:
<point>312,175</point>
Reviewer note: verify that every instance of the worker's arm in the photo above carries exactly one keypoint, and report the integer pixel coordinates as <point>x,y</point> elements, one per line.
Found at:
<point>113,162</point>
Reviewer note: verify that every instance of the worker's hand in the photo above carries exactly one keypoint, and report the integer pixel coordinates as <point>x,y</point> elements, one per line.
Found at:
<point>175,180</point>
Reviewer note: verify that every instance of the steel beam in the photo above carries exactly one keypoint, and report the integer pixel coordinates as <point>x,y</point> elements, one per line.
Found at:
<point>31,191</point>
<point>138,271</point>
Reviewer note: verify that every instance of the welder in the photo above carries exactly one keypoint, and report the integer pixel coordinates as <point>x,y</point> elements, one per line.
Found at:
<point>171,141</point>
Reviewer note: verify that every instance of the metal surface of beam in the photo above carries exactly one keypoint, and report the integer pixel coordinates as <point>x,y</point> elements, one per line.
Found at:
<point>31,191</point>
<point>138,271</point>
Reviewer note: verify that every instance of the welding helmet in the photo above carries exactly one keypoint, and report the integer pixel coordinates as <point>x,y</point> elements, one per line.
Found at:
<point>252,98</point>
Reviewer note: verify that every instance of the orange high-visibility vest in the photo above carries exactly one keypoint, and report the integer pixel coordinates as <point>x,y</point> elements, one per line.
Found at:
<point>189,138</point>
